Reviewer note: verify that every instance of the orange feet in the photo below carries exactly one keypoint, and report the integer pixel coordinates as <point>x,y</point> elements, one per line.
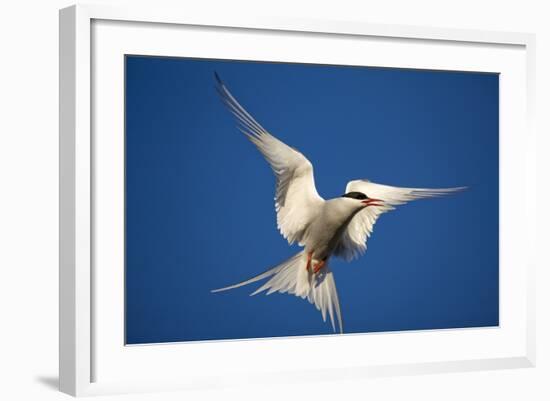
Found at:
<point>318,266</point>
<point>308,264</point>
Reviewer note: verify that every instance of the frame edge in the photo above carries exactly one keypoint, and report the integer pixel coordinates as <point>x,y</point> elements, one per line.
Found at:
<point>531,184</point>
<point>67,112</point>
<point>74,201</point>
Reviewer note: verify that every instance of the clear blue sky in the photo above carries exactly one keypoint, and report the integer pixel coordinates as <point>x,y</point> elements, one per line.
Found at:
<point>200,212</point>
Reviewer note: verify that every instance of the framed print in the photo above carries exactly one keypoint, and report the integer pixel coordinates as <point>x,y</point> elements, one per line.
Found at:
<point>364,177</point>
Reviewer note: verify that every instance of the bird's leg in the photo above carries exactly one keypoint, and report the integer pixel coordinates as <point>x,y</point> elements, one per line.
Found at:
<point>308,264</point>
<point>319,266</point>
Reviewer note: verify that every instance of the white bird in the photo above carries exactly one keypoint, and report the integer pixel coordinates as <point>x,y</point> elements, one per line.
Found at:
<point>324,228</point>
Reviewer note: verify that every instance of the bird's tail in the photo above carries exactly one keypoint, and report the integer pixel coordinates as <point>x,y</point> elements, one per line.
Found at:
<point>292,277</point>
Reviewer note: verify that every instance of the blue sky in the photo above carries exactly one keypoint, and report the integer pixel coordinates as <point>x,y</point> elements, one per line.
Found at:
<point>199,197</point>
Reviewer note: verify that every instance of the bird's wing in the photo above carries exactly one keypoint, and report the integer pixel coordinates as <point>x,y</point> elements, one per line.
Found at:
<point>353,242</point>
<point>296,198</point>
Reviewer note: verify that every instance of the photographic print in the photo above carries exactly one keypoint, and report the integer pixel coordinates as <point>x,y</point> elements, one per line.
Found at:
<point>359,199</point>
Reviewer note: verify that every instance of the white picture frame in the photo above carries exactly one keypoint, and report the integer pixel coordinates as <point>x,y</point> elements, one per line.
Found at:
<point>92,358</point>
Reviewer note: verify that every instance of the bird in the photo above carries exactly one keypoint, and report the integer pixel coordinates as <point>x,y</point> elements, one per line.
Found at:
<point>323,228</point>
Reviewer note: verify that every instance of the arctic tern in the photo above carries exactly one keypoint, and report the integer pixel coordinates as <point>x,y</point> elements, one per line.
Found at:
<point>324,228</point>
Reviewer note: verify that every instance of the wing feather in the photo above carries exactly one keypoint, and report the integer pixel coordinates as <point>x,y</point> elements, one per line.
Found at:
<point>296,198</point>
<point>354,239</point>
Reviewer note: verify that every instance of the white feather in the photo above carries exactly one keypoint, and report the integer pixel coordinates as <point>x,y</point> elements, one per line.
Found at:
<point>296,198</point>
<point>292,277</point>
<point>354,239</point>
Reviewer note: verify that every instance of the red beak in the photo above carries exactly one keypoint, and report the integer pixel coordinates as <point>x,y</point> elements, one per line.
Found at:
<point>372,202</point>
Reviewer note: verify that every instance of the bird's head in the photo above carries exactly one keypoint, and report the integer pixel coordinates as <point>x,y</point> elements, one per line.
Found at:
<point>360,200</point>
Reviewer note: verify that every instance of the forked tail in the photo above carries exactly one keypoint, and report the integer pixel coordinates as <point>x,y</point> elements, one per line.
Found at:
<point>292,277</point>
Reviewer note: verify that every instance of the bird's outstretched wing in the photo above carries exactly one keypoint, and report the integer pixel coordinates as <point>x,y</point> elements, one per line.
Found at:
<point>354,239</point>
<point>296,198</point>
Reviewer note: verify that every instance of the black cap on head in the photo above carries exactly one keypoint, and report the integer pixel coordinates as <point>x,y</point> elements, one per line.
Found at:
<point>355,195</point>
